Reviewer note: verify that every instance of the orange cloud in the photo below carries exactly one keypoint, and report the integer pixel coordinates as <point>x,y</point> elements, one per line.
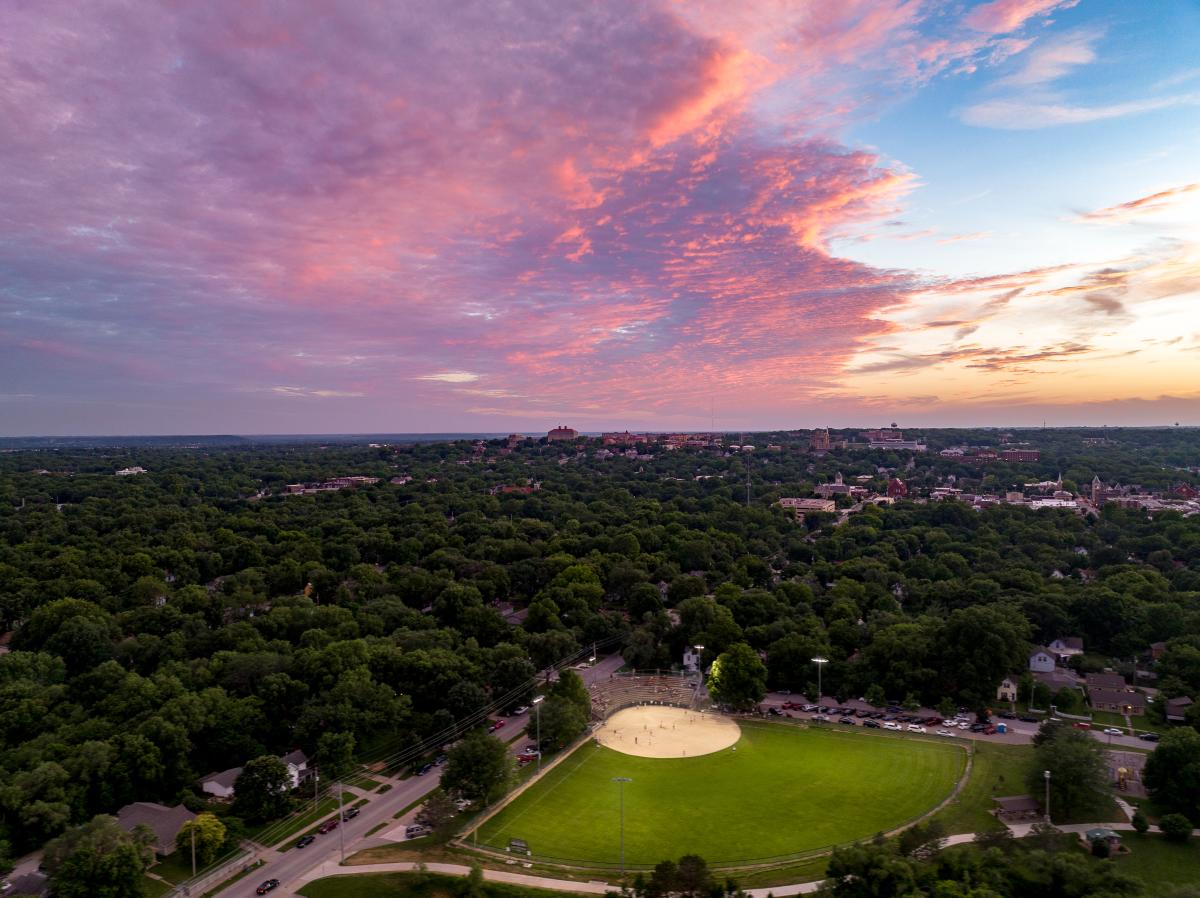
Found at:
<point>1146,205</point>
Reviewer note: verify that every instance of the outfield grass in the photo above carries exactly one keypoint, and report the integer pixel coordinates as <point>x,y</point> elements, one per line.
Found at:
<point>782,790</point>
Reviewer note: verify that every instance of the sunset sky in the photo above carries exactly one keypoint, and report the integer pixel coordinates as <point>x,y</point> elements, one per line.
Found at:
<point>256,217</point>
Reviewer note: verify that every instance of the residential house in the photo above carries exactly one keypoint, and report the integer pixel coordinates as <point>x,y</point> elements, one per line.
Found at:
<point>1066,646</point>
<point>1007,691</point>
<point>220,785</point>
<point>297,764</point>
<point>1106,680</point>
<point>164,822</point>
<point>1177,709</point>
<point>1157,649</point>
<point>1118,701</point>
<point>1042,660</point>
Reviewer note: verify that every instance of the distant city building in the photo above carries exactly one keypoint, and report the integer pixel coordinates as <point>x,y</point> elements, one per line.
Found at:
<point>819,441</point>
<point>896,488</point>
<point>1020,455</point>
<point>837,488</point>
<point>802,507</point>
<point>129,472</point>
<point>882,436</point>
<point>562,433</point>
<point>338,483</point>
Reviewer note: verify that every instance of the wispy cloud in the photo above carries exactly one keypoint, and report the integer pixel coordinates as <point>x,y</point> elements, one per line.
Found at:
<point>451,377</point>
<point>306,393</point>
<point>1145,205</point>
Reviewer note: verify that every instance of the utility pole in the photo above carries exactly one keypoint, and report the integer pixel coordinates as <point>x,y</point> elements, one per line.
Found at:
<point>820,662</point>
<point>621,781</point>
<point>193,831</point>
<point>341,829</point>
<point>314,779</point>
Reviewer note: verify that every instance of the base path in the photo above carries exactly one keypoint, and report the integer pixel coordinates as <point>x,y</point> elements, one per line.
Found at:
<point>661,731</point>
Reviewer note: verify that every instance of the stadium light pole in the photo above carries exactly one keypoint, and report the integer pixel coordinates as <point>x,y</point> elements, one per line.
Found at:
<point>537,714</point>
<point>621,781</point>
<point>1046,775</point>
<point>819,661</point>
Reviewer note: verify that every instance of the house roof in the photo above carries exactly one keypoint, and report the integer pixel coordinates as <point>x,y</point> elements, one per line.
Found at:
<point>164,822</point>
<point>225,778</point>
<point>1106,680</point>
<point>1071,642</point>
<point>1016,803</point>
<point>1176,706</point>
<point>297,757</point>
<point>1105,696</point>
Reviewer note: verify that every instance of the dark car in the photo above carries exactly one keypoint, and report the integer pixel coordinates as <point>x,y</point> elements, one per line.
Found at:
<point>892,709</point>
<point>932,721</point>
<point>1027,718</point>
<point>1148,737</point>
<point>269,886</point>
<point>305,841</point>
<point>871,724</point>
<point>1006,715</point>
<point>774,712</point>
<point>329,826</point>
<point>847,720</point>
<point>863,713</point>
<point>978,727</point>
<point>424,769</point>
<point>350,814</point>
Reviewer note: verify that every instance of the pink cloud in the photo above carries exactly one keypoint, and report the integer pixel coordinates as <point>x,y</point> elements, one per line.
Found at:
<point>1003,16</point>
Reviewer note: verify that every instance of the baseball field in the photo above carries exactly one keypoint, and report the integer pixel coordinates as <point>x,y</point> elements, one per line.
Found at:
<point>776,790</point>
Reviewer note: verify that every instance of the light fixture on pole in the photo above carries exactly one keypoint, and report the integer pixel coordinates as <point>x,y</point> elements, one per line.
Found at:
<point>621,781</point>
<point>1046,775</point>
<point>537,715</point>
<point>820,662</point>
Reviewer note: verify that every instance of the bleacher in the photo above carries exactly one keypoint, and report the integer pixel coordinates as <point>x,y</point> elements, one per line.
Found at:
<point>622,691</point>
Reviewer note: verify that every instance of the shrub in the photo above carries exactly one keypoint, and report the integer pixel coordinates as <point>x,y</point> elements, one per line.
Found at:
<point>1176,827</point>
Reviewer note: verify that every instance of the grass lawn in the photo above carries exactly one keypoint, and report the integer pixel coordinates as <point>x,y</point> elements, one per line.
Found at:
<point>176,867</point>
<point>998,769</point>
<point>153,888</point>
<point>1159,863</point>
<point>784,790</point>
<point>410,885</point>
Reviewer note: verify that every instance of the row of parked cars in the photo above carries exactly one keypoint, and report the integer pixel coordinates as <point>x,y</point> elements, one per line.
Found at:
<point>891,718</point>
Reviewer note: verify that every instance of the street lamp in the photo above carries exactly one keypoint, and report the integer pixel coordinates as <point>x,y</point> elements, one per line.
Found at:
<point>621,781</point>
<point>819,661</point>
<point>1046,775</point>
<point>537,714</point>
<point>699,661</point>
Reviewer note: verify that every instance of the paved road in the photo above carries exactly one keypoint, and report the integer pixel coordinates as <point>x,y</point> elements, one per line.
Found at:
<point>294,867</point>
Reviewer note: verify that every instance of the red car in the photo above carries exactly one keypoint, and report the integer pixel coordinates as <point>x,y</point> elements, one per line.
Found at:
<point>526,756</point>
<point>496,724</point>
<point>329,826</point>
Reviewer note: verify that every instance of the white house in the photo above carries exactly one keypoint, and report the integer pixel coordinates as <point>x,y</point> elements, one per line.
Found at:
<point>1007,690</point>
<point>1066,646</point>
<point>1041,660</point>
<point>297,765</point>
<point>220,785</point>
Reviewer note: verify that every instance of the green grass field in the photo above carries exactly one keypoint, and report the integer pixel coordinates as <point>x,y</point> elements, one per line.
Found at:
<point>785,790</point>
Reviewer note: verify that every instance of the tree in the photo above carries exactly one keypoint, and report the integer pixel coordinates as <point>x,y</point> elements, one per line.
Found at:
<point>479,768</point>
<point>1140,823</point>
<point>738,678</point>
<point>261,789</point>
<point>209,834</point>
<point>335,754</point>
<point>1078,770</point>
<point>570,687</point>
<point>947,708</point>
<point>557,721</point>
<point>1175,827</point>
<point>1172,774</point>
<point>437,811</point>
<point>875,695</point>
<point>99,860</point>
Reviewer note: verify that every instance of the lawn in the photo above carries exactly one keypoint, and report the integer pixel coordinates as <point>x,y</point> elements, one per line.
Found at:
<point>998,769</point>
<point>1159,863</point>
<point>782,790</point>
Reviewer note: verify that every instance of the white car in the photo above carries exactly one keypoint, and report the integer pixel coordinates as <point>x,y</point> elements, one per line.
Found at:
<point>944,733</point>
<point>520,710</point>
<point>891,725</point>
<point>949,722</point>
<point>916,728</point>
<point>964,726</point>
<point>1113,731</point>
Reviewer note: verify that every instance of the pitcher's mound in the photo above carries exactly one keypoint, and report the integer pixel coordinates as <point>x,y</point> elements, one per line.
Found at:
<point>659,731</point>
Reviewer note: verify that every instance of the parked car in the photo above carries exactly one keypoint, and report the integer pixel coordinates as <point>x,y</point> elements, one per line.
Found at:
<point>808,709</point>
<point>305,841</point>
<point>944,733</point>
<point>416,830</point>
<point>520,709</point>
<point>1113,731</point>
<point>1007,715</point>
<point>892,726</point>
<point>1029,718</point>
<point>783,692</point>
<point>424,769</point>
<point>496,724</point>
<point>916,728</point>
<point>462,803</point>
<point>820,718</point>
<point>871,724</point>
<point>329,826</point>
<point>1082,725</point>
<point>526,756</point>
<point>1148,737</point>
<point>862,713</point>
<point>963,725</point>
<point>847,720</point>
<point>774,712</point>
<point>350,813</point>
<point>439,760</point>
<point>269,885</point>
